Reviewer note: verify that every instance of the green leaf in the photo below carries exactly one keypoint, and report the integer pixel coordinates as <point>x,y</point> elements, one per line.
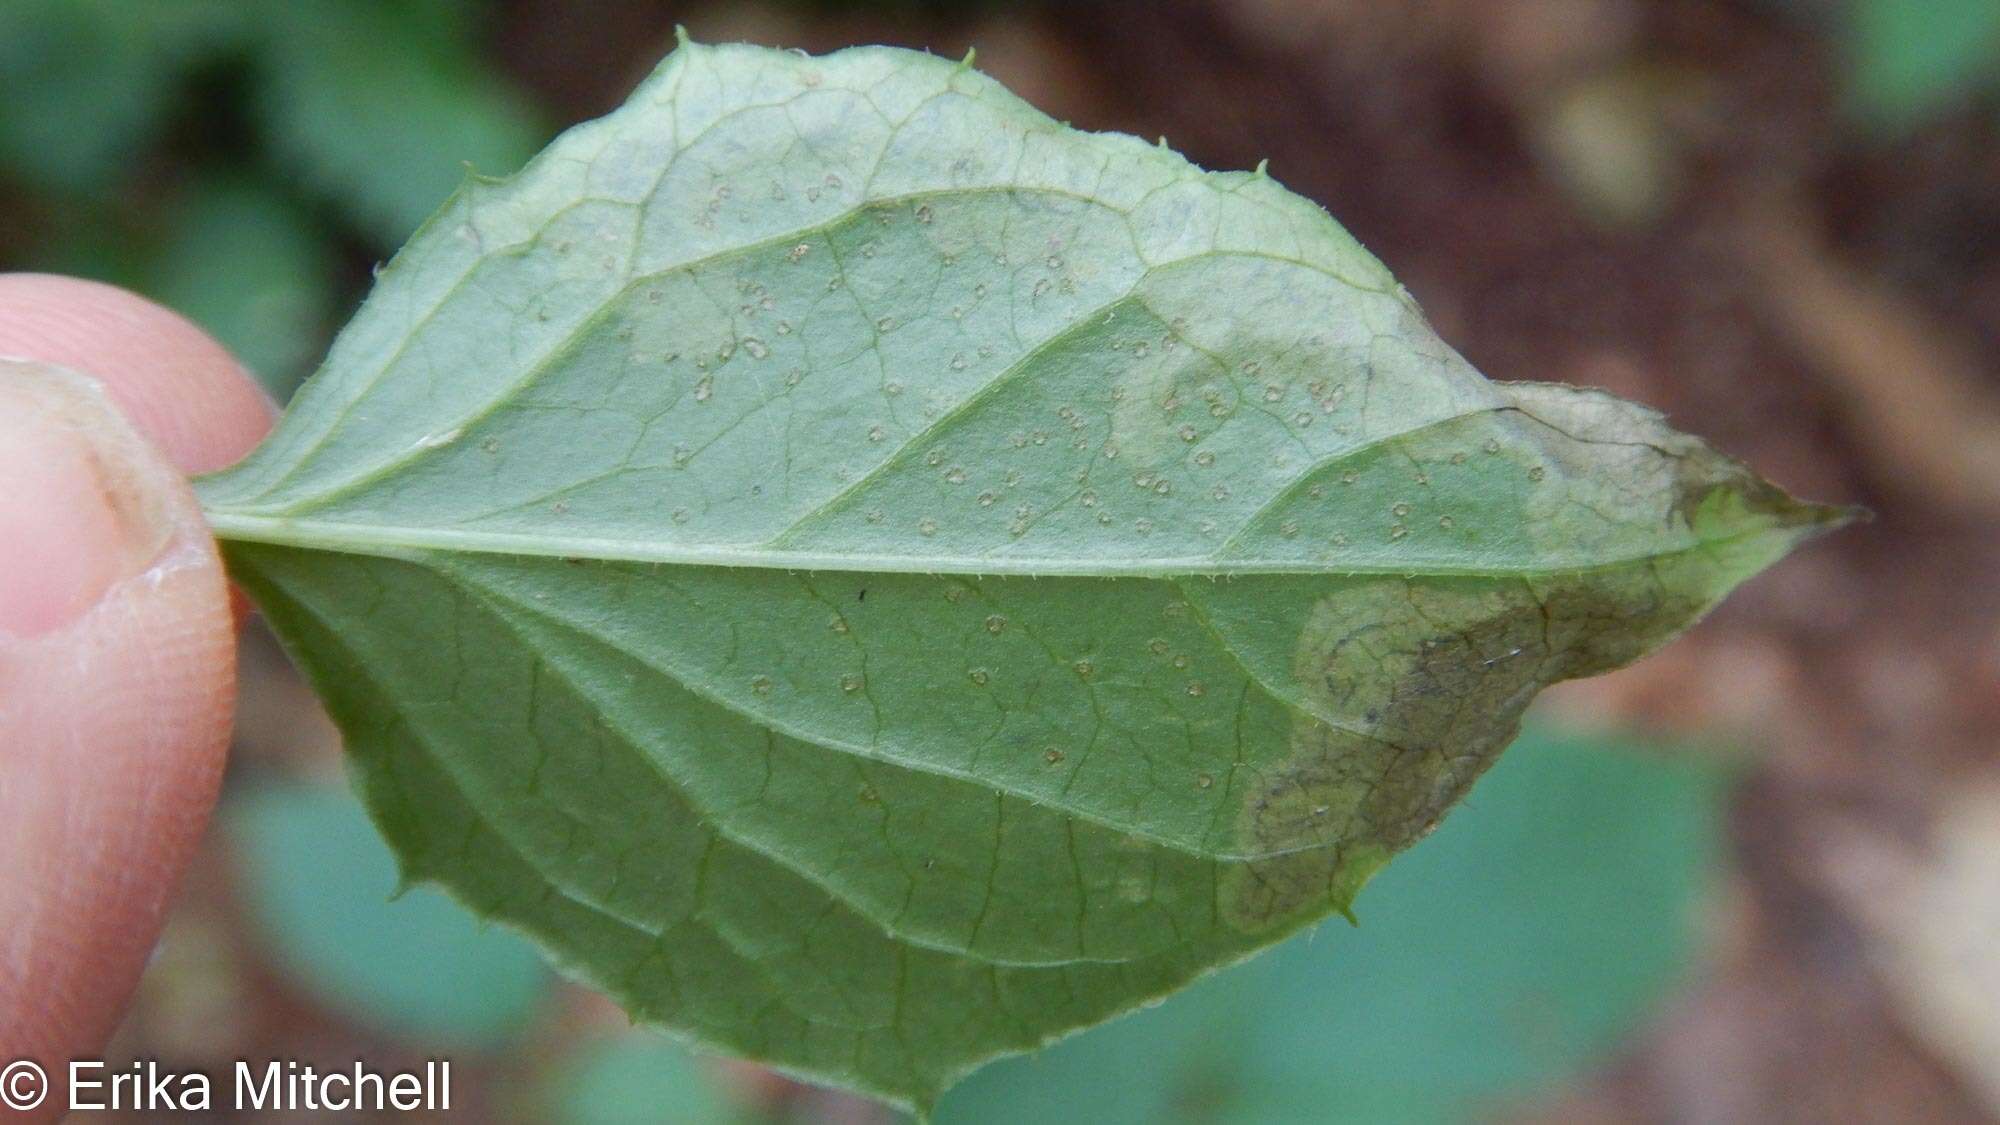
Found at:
<point>1518,945</point>
<point>876,579</point>
<point>319,885</point>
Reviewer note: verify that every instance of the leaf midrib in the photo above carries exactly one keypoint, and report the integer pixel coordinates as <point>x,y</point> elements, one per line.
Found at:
<point>413,543</point>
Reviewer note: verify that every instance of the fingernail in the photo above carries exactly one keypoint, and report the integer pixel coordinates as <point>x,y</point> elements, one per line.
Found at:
<point>74,515</point>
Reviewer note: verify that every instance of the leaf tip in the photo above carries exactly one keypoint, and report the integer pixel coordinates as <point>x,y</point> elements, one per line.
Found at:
<point>1777,510</point>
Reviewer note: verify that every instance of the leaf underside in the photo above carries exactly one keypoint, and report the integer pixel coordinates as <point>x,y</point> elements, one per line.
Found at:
<point>876,579</point>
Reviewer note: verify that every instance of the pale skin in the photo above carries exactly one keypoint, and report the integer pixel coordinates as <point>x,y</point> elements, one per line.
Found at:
<point>117,643</point>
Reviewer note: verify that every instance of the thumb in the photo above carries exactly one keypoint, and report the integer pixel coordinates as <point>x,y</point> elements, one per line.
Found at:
<point>117,679</point>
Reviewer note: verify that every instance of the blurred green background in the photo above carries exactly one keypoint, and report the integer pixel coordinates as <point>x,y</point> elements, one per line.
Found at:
<point>1673,199</point>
